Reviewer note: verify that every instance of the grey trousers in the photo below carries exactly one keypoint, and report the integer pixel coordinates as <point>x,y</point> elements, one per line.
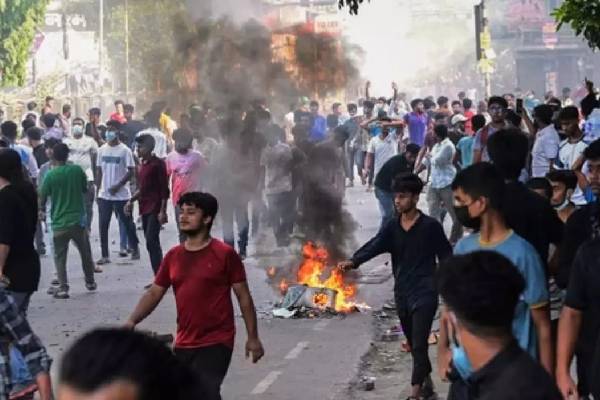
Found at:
<point>443,199</point>
<point>80,237</point>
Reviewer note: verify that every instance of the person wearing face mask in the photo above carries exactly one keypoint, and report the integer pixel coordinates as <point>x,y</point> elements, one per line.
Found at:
<point>478,193</point>
<point>481,292</point>
<point>416,243</point>
<point>83,151</point>
<point>114,170</point>
<point>564,183</point>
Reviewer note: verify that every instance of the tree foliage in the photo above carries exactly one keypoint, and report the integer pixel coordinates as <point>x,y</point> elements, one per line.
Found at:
<point>583,16</point>
<point>18,22</point>
<point>152,46</point>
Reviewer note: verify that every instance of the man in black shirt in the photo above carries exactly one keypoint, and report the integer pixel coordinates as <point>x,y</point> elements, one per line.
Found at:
<point>481,291</point>
<point>132,127</point>
<point>528,214</point>
<point>590,101</point>
<point>416,243</point>
<point>399,164</point>
<point>34,139</point>
<point>579,327</point>
<point>584,223</point>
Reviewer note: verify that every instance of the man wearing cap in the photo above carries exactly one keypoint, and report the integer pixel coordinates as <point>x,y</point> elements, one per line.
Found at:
<point>457,128</point>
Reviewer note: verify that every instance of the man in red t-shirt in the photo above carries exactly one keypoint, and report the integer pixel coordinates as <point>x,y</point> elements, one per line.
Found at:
<point>202,272</point>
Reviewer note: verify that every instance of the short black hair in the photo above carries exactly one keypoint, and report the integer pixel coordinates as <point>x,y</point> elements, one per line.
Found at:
<point>204,201</point>
<point>104,356</point>
<point>78,119</point>
<point>481,180</point>
<point>49,98</point>
<point>31,105</point>
<point>60,152</point>
<point>49,120</point>
<point>441,131</point>
<point>352,106</point>
<point>407,183</point>
<point>27,123</point>
<point>34,133</point>
<point>467,104</point>
<point>565,176</point>
<point>50,143</point>
<point>368,104</point>
<point>592,152</point>
<point>117,102</point>
<point>9,130</point>
<point>314,103</point>
<point>442,101</point>
<point>146,140</point>
<point>479,122</point>
<point>482,288</point>
<point>152,118</point>
<point>456,103</point>
<point>129,108</point>
<point>501,101</point>
<point>95,111</point>
<point>116,125</point>
<point>508,150</point>
<point>11,167</point>
<point>182,135</point>
<point>413,148</point>
<point>415,103</point>
<point>540,183</point>
<point>568,114</point>
<point>66,108</point>
<point>544,113</point>
<point>428,103</point>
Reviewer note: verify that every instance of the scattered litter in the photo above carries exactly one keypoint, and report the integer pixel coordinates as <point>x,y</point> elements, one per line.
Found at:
<point>284,313</point>
<point>368,383</point>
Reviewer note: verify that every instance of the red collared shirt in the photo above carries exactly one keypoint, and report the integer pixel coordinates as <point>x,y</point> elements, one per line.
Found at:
<point>153,185</point>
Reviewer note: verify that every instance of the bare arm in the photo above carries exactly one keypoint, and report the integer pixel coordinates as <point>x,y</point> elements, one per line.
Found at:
<point>568,332</point>
<point>541,319</point>
<point>4,250</point>
<point>253,345</point>
<point>369,160</point>
<point>476,156</point>
<point>444,353</point>
<point>98,177</point>
<point>146,305</point>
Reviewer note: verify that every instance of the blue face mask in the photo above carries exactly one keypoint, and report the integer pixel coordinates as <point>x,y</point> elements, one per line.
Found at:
<point>461,361</point>
<point>111,136</point>
<point>459,355</point>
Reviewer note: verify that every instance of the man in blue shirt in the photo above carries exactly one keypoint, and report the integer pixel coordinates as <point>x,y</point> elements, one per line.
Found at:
<point>478,193</point>
<point>318,130</point>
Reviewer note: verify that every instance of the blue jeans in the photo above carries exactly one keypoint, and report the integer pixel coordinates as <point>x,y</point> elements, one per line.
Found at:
<point>123,245</point>
<point>386,205</point>
<point>105,211</point>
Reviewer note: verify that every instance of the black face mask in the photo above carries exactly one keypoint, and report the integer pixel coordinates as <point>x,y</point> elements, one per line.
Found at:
<point>463,216</point>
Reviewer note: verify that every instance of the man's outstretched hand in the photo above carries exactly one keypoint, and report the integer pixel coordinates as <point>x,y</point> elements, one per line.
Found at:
<point>345,265</point>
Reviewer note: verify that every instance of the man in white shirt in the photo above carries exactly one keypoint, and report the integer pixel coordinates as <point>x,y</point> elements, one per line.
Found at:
<point>545,148</point>
<point>570,153</point>
<point>9,131</point>
<point>380,149</point>
<point>114,171</point>
<point>152,119</point>
<point>83,151</point>
<point>440,196</point>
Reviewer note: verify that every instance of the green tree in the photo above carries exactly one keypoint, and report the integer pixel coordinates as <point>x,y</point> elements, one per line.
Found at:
<point>583,16</point>
<point>152,45</point>
<point>18,22</point>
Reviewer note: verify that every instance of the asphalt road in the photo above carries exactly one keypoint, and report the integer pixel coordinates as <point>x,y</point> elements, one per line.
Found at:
<point>304,358</point>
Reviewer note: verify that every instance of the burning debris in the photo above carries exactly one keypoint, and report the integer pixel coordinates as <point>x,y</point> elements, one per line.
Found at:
<point>319,289</point>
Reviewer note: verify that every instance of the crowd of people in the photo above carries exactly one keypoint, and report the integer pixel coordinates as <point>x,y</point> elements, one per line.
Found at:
<point>517,181</point>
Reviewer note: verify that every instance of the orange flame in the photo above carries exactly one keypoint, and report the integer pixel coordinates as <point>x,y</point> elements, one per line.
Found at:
<point>311,270</point>
<point>321,300</point>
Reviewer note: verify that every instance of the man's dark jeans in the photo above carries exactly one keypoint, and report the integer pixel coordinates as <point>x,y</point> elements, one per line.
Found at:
<point>235,208</point>
<point>416,325</point>
<point>281,216</point>
<point>151,228</point>
<point>105,211</point>
<point>210,364</point>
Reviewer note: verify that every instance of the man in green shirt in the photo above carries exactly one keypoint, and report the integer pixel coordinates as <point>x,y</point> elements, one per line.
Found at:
<point>66,185</point>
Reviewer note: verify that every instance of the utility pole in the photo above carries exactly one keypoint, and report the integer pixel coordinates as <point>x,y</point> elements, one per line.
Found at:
<point>483,41</point>
<point>101,44</point>
<point>126,48</point>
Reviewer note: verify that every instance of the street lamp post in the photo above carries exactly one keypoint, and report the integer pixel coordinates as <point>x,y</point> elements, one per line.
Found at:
<point>101,44</point>
<point>126,48</point>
